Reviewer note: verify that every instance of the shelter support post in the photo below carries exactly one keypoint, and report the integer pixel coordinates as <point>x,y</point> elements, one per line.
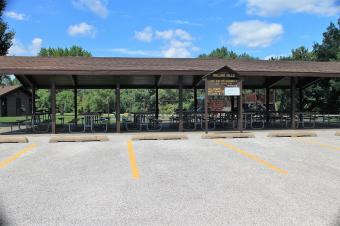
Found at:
<point>267,104</point>
<point>301,104</point>
<point>195,99</point>
<point>33,101</point>
<point>157,104</point>
<point>292,101</point>
<point>53,107</point>
<point>206,99</point>
<point>240,108</point>
<point>232,103</point>
<point>180,103</point>
<point>75,104</point>
<point>118,108</point>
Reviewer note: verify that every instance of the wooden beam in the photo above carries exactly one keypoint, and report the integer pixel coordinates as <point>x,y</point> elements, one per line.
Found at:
<point>180,103</point>
<point>33,102</point>
<point>118,108</point>
<point>28,80</point>
<point>232,103</point>
<point>301,103</point>
<point>206,99</point>
<point>157,104</point>
<point>195,99</point>
<point>158,80</point>
<point>75,104</point>
<point>272,81</point>
<point>292,101</point>
<point>267,104</point>
<point>53,107</point>
<point>306,82</point>
<point>240,108</point>
<point>197,81</point>
<point>74,80</point>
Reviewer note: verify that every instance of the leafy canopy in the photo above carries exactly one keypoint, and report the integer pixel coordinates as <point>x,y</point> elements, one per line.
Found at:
<point>75,51</point>
<point>6,36</point>
<point>223,52</point>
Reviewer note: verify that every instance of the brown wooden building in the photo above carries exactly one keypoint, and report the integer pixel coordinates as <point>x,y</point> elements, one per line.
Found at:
<point>15,101</point>
<point>124,73</point>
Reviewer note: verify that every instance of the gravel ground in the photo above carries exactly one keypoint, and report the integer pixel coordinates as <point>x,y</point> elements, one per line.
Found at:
<point>256,181</point>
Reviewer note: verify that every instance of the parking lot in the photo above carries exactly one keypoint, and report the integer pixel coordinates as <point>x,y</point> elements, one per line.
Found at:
<point>255,181</point>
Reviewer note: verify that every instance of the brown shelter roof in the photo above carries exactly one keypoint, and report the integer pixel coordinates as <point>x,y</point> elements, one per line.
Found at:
<point>4,90</point>
<point>147,72</point>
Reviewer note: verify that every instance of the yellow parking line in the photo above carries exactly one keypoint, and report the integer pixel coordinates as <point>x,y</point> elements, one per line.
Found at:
<point>253,157</point>
<point>312,142</point>
<point>12,158</point>
<point>133,163</point>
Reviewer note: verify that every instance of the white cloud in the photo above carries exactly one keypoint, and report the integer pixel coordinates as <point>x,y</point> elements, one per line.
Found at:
<point>98,7</point>
<point>146,35</point>
<point>82,29</point>
<point>15,15</point>
<point>178,49</point>
<point>254,33</point>
<point>19,49</point>
<point>173,34</point>
<point>184,22</point>
<point>277,7</point>
<point>135,52</point>
<point>176,42</point>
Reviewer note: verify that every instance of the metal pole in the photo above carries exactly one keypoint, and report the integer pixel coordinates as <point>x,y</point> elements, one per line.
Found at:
<point>206,99</point>
<point>180,104</point>
<point>292,101</point>
<point>53,106</point>
<point>240,108</point>
<point>118,108</point>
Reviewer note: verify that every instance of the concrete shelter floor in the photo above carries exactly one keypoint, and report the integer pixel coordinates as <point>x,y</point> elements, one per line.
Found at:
<point>255,181</point>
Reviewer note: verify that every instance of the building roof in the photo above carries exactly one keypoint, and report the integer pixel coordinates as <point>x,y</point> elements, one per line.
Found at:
<point>145,72</point>
<point>4,90</point>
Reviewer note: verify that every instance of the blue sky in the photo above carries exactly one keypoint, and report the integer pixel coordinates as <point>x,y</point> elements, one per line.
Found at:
<point>169,28</point>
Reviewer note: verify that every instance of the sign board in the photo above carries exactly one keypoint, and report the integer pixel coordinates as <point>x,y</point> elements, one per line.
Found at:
<point>232,91</point>
<point>223,87</point>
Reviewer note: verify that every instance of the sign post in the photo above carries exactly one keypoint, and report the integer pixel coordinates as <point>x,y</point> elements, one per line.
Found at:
<point>220,85</point>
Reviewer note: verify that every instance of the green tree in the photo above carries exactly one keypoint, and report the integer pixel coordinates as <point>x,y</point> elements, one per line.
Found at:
<point>225,53</point>
<point>64,97</point>
<point>301,53</point>
<point>6,36</point>
<point>63,52</point>
<point>329,49</point>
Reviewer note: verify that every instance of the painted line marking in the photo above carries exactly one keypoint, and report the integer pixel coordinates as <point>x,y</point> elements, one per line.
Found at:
<point>133,163</point>
<point>12,158</point>
<point>311,142</point>
<point>253,157</point>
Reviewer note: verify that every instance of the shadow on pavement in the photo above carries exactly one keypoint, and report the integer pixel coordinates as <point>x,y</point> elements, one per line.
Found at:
<point>337,220</point>
<point>3,220</point>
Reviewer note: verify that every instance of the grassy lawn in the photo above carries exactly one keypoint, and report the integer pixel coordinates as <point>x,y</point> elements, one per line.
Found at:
<point>67,118</point>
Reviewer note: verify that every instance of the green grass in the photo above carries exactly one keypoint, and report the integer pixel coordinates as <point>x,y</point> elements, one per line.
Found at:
<point>67,118</point>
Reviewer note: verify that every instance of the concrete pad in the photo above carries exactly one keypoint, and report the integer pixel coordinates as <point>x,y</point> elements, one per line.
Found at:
<point>78,138</point>
<point>337,133</point>
<point>227,135</point>
<point>13,139</point>
<point>174,136</point>
<point>292,134</point>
